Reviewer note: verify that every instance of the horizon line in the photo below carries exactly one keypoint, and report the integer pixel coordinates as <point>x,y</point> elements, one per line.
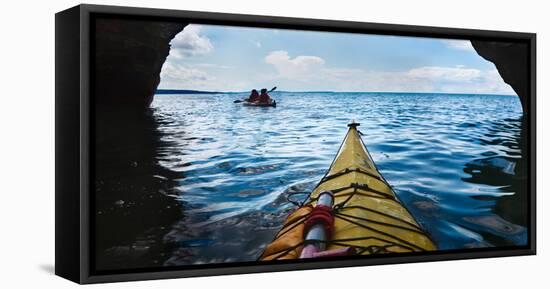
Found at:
<point>191,91</point>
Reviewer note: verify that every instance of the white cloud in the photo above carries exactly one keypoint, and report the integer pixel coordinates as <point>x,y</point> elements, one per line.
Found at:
<point>312,71</point>
<point>198,76</point>
<point>174,75</point>
<point>460,79</point>
<point>212,65</point>
<point>190,42</point>
<point>464,45</point>
<point>309,72</point>
<point>256,43</point>
<point>458,73</point>
<point>293,67</point>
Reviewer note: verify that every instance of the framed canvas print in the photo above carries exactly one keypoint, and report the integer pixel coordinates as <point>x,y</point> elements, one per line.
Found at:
<point>193,143</point>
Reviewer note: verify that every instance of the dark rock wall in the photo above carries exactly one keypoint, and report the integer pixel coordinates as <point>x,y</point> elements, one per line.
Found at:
<point>133,208</point>
<point>512,63</point>
<point>128,59</point>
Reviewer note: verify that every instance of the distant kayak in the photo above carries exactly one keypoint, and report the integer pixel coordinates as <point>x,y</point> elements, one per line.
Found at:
<point>273,103</point>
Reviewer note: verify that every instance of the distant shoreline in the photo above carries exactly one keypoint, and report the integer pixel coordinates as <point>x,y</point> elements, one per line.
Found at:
<point>191,91</point>
<point>185,91</point>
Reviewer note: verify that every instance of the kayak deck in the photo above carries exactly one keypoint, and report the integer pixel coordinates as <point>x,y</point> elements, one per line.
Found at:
<point>367,213</point>
<point>273,103</point>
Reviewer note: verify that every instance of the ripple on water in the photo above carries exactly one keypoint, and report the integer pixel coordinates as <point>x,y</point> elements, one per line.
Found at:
<point>453,160</point>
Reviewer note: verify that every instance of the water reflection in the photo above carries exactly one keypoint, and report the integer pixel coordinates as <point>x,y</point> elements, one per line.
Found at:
<point>508,218</point>
<point>134,196</point>
<point>490,212</point>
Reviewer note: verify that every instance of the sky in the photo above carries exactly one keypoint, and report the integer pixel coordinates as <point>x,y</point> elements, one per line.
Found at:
<point>228,58</point>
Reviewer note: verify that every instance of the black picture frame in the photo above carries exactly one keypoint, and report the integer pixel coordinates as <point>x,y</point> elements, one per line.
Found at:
<point>73,121</point>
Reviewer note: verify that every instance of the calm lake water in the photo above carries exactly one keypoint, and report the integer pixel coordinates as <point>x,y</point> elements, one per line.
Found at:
<point>454,160</point>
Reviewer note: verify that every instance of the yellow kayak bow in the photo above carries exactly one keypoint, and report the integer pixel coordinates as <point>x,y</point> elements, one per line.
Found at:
<point>368,216</point>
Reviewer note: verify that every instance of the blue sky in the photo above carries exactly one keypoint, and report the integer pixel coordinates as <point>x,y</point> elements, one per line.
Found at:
<point>225,58</point>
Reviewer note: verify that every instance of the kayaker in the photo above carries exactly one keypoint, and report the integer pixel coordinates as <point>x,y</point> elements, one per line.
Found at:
<point>264,97</point>
<point>254,96</point>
